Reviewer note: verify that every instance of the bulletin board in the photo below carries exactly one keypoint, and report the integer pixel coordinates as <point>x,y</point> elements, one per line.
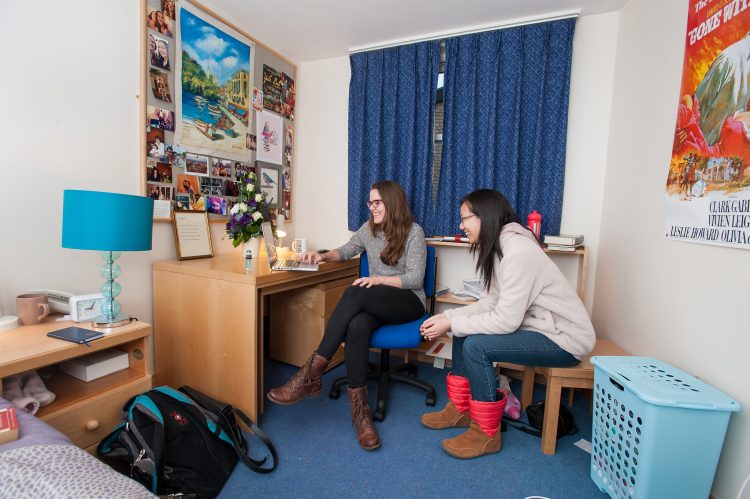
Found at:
<point>215,102</point>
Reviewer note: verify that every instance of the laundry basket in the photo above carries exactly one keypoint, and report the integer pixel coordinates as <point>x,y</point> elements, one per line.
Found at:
<point>657,431</point>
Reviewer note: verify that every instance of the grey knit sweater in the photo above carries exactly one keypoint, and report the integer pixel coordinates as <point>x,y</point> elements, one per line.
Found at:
<point>410,267</point>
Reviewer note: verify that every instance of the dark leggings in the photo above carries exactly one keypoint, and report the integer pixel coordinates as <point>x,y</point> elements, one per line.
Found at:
<point>359,313</point>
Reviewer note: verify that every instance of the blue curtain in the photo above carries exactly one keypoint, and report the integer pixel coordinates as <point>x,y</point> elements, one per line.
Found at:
<point>391,110</point>
<point>505,121</point>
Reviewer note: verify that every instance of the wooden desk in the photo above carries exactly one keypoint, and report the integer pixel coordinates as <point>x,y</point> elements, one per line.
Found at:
<point>208,323</point>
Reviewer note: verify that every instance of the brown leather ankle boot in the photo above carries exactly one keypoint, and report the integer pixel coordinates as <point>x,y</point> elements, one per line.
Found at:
<point>305,383</point>
<point>362,419</point>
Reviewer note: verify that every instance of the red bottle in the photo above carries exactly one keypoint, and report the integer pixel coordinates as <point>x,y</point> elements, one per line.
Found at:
<point>534,223</point>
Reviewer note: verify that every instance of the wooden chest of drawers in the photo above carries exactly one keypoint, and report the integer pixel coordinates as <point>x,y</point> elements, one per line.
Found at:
<point>299,318</point>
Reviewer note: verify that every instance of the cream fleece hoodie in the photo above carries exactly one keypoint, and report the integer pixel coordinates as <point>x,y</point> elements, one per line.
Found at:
<point>527,292</point>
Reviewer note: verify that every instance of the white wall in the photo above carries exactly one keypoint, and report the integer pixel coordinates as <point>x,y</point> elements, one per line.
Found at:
<point>323,95</point>
<point>682,303</point>
<point>70,121</point>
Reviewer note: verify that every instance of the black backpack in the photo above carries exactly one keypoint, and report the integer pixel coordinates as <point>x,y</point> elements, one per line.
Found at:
<point>182,442</point>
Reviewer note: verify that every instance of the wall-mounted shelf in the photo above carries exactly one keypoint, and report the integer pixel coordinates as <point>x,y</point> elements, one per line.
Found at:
<point>581,252</point>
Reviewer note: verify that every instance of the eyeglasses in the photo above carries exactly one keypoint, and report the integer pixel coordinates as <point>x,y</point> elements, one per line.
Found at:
<point>375,203</point>
<point>463,219</point>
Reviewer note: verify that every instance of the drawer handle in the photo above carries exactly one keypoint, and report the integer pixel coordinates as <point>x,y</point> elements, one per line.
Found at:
<point>92,425</point>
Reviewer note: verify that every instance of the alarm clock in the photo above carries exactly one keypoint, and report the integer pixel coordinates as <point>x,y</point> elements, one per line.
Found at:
<point>85,307</point>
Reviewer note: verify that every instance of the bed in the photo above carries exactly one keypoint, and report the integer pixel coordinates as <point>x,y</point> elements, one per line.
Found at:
<point>44,463</point>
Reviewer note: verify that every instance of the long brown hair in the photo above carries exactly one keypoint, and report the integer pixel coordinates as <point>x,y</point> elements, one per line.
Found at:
<point>397,221</point>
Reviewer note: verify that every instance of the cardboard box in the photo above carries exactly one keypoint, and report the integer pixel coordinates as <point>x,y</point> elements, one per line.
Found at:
<point>8,425</point>
<point>96,365</point>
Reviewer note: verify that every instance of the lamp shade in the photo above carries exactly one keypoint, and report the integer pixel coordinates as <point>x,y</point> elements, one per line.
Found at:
<point>106,221</point>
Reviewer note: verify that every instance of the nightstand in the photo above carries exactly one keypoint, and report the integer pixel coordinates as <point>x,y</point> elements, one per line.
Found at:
<point>84,411</point>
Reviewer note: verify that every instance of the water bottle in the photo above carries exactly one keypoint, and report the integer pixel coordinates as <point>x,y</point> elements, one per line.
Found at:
<point>534,223</point>
<point>513,406</point>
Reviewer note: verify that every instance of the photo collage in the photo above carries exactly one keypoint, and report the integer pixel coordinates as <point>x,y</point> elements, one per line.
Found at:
<point>187,180</point>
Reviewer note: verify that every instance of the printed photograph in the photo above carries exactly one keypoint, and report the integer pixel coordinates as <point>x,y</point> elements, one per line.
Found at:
<point>287,96</point>
<point>240,167</point>
<point>288,156</point>
<point>197,202</point>
<point>182,201</point>
<point>196,164</point>
<point>155,143</point>
<point>164,170</point>
<point>251,142</point>
<point>159,52</point>
<point>231,188</point>
<point>160,118</point>
<point>166,192</point>
<point>167,6</point>
<point>152,174</point>
<point>257,99</point>
<point>217,205</point>
<point>288,136</point>
<point>160,84</point>
<point>188,184</point>
<point>159,192</point>
<point>212,186</point>
<point>286,180</point>
<point>221,167</point>
<point>180,157</point>
<point>157,21</point>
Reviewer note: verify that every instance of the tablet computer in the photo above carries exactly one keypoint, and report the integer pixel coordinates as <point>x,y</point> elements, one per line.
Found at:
<point>75,334</point>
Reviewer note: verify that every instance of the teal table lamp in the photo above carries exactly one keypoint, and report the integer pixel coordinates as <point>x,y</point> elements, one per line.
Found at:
<point>110,223</point>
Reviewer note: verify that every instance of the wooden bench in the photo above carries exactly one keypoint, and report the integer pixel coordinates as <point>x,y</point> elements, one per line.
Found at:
<point>557,378</point>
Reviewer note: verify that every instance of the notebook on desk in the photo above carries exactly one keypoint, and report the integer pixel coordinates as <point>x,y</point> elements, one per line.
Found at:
<point>273,260</point>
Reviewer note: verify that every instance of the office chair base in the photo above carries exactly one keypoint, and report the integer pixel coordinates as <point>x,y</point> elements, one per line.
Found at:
<point>384,375</point>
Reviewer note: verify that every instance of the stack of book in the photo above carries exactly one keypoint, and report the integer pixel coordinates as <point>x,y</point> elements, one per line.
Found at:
<point>563,242</point>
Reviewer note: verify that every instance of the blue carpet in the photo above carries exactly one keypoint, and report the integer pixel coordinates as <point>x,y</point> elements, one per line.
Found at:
<point>319,455</point>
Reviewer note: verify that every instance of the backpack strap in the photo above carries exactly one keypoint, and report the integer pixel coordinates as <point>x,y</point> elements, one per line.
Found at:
<point>226,416</point>
<point>149,459</point>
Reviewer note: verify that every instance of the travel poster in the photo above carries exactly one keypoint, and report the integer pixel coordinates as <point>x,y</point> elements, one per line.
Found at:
<point>214,78</point>
<point>708,184</point>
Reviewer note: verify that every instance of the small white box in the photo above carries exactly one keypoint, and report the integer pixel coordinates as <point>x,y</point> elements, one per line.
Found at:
<point>96,365</point>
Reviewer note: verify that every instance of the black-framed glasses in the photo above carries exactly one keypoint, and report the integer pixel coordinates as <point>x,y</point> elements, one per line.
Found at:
<point>375,203</point>
<point>463,219</point>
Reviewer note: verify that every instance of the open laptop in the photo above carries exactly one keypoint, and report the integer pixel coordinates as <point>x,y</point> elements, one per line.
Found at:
<point>273,260</point>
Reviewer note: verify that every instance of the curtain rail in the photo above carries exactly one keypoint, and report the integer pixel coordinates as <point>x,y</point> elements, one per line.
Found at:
<point>479,29</point>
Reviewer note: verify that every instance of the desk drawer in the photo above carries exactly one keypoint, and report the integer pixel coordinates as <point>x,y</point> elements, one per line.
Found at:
<point>104,409</point>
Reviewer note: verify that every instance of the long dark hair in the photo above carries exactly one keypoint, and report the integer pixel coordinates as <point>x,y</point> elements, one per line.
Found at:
<point>494,212</point>
<point>397,221</point>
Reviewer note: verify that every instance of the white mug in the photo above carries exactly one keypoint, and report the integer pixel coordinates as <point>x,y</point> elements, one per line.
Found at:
<point>299,246</point>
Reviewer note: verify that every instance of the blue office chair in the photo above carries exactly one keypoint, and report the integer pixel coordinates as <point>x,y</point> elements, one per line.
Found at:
<point>396,336</point>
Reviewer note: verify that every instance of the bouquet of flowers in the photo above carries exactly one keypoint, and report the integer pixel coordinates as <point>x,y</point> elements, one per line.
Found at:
<point>248,212</point>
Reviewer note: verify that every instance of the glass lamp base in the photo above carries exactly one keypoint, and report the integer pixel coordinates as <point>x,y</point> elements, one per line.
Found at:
<point>104,321</point>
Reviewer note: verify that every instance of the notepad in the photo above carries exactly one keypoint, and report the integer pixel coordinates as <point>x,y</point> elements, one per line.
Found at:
<point>75,334</point>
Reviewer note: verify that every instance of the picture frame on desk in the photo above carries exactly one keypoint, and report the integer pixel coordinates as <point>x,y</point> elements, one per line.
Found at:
<point>192,235</point>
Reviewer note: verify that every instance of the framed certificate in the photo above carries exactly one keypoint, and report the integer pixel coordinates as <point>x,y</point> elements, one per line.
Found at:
<point>191,234</point>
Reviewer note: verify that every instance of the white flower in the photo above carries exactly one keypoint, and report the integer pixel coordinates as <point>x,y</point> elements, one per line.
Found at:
<point>234,209</point>
<point>250,186</point>
<point>257,216</point>
<point>258,198</point>
<point>242,207</point>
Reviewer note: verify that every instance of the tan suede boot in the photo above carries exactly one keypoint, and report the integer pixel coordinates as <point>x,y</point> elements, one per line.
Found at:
<point>483,435</point>
<point>455,414</point>
<point>305,383</point>
<point>367,436</point>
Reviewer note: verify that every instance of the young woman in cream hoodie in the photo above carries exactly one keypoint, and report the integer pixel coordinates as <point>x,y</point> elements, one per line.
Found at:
<point>527,314</point>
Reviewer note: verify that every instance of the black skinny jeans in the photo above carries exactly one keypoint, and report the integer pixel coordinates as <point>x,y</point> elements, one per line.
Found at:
<point>359,313</point>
